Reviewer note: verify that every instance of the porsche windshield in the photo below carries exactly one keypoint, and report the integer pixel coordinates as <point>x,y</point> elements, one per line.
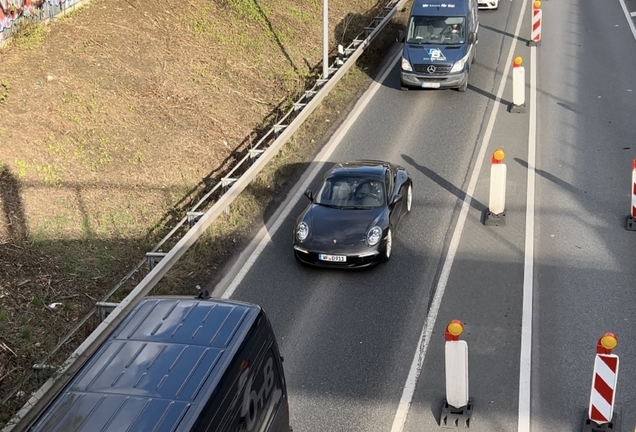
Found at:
<point>351,193</point>
<point>436,30</point>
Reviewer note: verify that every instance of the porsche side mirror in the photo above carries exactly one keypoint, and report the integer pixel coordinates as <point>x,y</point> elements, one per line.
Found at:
<point>396,198</point>
<point>309,194</point>
<point>400,37</point>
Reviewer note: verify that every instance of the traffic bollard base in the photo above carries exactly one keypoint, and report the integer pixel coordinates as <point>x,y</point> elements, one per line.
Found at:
<point>517,108</point>
<point>491,219</point>
<point>590,426</point>
<point>456,418</point>
<point>631,224</point>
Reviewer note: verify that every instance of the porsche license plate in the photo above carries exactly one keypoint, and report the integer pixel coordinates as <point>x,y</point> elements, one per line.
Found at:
<point>430,85</point>
<point>333,258</point>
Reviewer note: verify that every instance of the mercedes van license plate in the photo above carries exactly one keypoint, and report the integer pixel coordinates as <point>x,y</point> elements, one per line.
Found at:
<point>334,258</point>
<point>430,85</point>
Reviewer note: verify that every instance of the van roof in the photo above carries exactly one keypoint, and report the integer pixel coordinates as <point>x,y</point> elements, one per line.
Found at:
<point>439,7</point>
<point>155,371</point>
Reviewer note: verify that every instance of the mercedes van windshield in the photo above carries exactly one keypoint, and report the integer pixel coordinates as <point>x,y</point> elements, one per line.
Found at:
<point>437,30</point>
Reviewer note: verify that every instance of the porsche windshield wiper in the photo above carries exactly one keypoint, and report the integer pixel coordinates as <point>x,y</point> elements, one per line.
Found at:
<point>330,205</point>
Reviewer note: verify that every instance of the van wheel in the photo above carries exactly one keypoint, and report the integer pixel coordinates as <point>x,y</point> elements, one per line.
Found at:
<point>404,88</point>
<point>464,86</point>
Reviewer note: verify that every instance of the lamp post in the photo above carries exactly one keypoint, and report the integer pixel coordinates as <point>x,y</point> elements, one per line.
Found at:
<point>325,39</point>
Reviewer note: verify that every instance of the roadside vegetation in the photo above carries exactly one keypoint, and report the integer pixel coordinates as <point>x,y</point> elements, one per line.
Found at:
<point>116,118</point>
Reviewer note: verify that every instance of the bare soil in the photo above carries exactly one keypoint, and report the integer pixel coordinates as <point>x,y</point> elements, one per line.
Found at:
<point>115,119</point>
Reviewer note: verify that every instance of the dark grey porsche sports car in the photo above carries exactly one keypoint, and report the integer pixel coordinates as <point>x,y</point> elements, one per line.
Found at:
<point>351,220</point>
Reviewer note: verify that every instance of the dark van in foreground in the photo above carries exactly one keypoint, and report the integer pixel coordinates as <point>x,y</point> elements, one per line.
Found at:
<point>439,45</point>
<point>178,364</point>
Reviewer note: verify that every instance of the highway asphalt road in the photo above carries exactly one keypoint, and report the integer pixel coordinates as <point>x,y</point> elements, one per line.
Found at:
<point>349,338</point>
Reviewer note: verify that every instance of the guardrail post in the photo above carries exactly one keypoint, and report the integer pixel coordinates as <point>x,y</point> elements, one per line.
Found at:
<point>153,258</point>
<point>105,308</point>
<point>43,371</point>
<point>193,217</point>
<point>340,59</point>
<point>226,182</point>
<point>254,154</point>
<point>279,128</point>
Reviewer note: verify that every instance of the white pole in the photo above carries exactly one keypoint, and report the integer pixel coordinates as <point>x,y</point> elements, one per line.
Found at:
<point>325,39</point>
<point>518,86</point>
<point>456,362</point>
<point>497,202</point>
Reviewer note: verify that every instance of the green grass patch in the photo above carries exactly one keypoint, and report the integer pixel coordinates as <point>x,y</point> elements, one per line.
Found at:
<point>29,36</point>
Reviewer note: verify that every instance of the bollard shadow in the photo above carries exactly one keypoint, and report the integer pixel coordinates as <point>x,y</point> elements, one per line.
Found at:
<point>12,208</point>
<point>551,177</point>
<point>567,107</point>
<point>503,32</point>
<point>488,94</point>
<point>474,203</point>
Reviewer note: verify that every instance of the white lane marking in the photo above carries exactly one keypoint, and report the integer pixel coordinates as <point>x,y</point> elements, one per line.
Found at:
<point>422,346</point>
<point>629,19</point>
<point>265,234</point>
<point>525,356</point>
<point>633,14</point>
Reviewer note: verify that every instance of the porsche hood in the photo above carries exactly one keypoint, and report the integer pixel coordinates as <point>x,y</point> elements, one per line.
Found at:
<point>347,227</point>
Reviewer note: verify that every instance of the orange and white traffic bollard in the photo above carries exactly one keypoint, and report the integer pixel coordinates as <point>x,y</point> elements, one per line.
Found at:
<point>518,104</point>
<point>458,407</point>
<point>495,214</point>
<point>631,220</point>
<point>535,38</point>
<point>601,410</point>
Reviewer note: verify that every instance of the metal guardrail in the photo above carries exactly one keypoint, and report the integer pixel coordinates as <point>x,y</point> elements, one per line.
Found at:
<point>111,314</point>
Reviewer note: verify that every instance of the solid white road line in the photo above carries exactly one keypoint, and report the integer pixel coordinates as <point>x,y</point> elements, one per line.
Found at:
<point>265,234</point>
<point>525,356</point>
<point>422,346</point>
<point>629,16</point>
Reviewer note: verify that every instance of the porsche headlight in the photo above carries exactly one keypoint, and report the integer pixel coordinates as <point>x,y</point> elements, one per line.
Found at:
<point>374,235</point>
<point>406,65</point>
<point>459,64</point>
<point>302,231</point>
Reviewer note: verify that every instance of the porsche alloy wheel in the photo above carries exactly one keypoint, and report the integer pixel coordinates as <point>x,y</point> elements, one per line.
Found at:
<point>389,245</point>
<point>409,198</point>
